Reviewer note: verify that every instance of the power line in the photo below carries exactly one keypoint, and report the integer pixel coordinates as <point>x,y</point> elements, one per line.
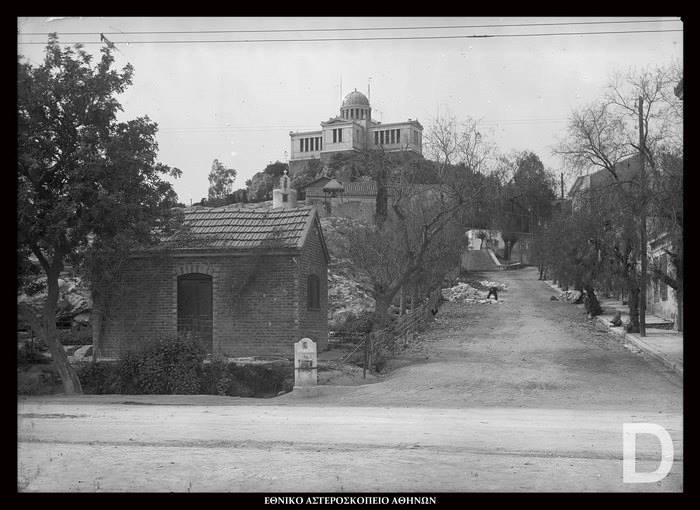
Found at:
<point>330,39</point>
<point>346,29</point>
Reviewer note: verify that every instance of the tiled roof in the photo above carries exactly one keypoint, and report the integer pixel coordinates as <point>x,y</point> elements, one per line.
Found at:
<point>243,229</point>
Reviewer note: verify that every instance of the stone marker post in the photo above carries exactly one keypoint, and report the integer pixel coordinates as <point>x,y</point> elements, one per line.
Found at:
<point>305,364</point>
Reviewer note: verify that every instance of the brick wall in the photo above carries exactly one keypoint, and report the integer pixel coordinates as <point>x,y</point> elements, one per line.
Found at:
<point>264,318</point>
<point>313,323</point>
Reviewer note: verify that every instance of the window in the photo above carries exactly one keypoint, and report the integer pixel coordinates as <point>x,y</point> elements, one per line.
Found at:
<point>340,136</point>
<point>335,136</point>
<point>381,138</point>
<point>393,136</point>
<point>376,138</point>
<point>398,136</point>
<point>301,145</point>
<point>313,292</point>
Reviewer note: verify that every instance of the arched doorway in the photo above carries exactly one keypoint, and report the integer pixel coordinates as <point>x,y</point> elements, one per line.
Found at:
<point>194,307</point>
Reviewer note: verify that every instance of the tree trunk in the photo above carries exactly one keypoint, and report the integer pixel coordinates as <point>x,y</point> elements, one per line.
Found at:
<point>593,305</point>
<point>633,303</point>
<point>679,305</point>
<point>380,318</point>
<point>402,302</point>
<point>97,322</point>
<point>71,383</point>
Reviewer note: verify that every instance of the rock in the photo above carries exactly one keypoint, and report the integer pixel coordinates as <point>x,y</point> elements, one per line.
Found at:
<point>553,298</point>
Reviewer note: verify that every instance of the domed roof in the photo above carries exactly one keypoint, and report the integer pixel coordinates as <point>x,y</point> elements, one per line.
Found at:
<point>355,98</point>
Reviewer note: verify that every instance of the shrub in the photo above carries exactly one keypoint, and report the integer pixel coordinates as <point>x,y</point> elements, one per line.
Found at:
<point>29,354</point>
<point>99,378</point>
<point>356,324</point>
<point>177,367</point>
<point>169,367</point>
<point>77,335</point>
<point>222,378</point>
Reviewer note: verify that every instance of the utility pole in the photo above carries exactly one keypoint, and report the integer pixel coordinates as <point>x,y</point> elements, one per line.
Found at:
<point>643,232</point>
<point>562,185</point>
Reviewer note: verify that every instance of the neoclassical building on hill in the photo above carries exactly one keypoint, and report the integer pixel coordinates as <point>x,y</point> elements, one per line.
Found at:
<point>352,131</point>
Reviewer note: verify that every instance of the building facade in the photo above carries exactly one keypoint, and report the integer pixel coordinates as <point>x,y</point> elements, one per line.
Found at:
<point>353,130</point>
<point>243,282</point>
<point>661,300</point>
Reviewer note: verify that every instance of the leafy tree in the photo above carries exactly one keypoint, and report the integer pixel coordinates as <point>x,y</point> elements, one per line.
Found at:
<point>220,181</point>
<point>260,186</point>
<point>524,197</point>
<point>83,178</point>
<point>603,134</point>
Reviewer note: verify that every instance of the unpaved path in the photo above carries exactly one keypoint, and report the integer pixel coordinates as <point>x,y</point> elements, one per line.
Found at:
<point>521,396</point>
<point>527,351</point>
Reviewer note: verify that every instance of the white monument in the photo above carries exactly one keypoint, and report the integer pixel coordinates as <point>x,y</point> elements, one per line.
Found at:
<point>305,364</point>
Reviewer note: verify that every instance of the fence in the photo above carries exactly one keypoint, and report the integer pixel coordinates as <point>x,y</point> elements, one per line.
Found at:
<point>397,335</point>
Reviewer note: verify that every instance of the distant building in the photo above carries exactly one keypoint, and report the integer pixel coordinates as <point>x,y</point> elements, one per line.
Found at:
<point>660,301</point>
<point>244,282</point>
<point>353,130</point>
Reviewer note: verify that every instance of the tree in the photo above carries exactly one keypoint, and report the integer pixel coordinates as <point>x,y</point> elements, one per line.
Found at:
<point>605,133</point>
<point>481,235</point>
<point>420,239</point>
<point>220,181</point>
<point>83,178</point>
<point>525,197</point>
<point>448,142</point>
<point>260,186</point>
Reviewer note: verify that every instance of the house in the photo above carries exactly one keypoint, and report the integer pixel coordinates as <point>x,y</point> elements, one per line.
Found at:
<point>337,198</point>
<point>660,301</point>
<point>351,131</point>
<point>244,282</point>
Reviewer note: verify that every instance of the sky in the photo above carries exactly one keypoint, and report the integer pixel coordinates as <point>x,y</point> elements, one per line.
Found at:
<point>236,100</point>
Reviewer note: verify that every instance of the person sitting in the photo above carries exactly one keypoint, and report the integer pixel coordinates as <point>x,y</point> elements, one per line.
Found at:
<point>616,320</point>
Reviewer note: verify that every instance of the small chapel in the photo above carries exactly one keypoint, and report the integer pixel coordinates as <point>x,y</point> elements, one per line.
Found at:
<point>243,282</point>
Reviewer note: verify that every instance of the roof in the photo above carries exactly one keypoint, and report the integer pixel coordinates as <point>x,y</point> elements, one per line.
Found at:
<point>234,228</point>
<point>355,98</point>
<point>333,185</point>
<point>322,180</point>
<point>626,171</point>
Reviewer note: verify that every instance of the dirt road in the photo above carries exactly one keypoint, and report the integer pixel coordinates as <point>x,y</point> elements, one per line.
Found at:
<point>521,396</point>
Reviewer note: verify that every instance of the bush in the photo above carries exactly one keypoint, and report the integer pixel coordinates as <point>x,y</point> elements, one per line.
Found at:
<point>177,367</point>
<point>29,354</point>
<point>99,378</point>
<point>356,324</point>
<point>80,335</point>
<point>222,378</point>
<point>169,367</point>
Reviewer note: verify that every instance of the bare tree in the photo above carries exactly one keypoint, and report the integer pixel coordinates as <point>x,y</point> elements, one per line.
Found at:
<point>603,134</point>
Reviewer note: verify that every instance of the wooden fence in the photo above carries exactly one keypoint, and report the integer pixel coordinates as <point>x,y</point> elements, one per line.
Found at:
<point>397,335</point>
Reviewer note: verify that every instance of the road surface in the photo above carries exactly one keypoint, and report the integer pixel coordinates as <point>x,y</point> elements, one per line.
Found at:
<point>525,395</point>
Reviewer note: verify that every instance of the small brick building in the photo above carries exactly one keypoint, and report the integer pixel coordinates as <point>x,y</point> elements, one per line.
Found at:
<point>245,282</point>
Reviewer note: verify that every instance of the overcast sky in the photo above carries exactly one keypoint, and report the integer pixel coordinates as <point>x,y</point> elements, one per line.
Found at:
<point>237,101</point>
